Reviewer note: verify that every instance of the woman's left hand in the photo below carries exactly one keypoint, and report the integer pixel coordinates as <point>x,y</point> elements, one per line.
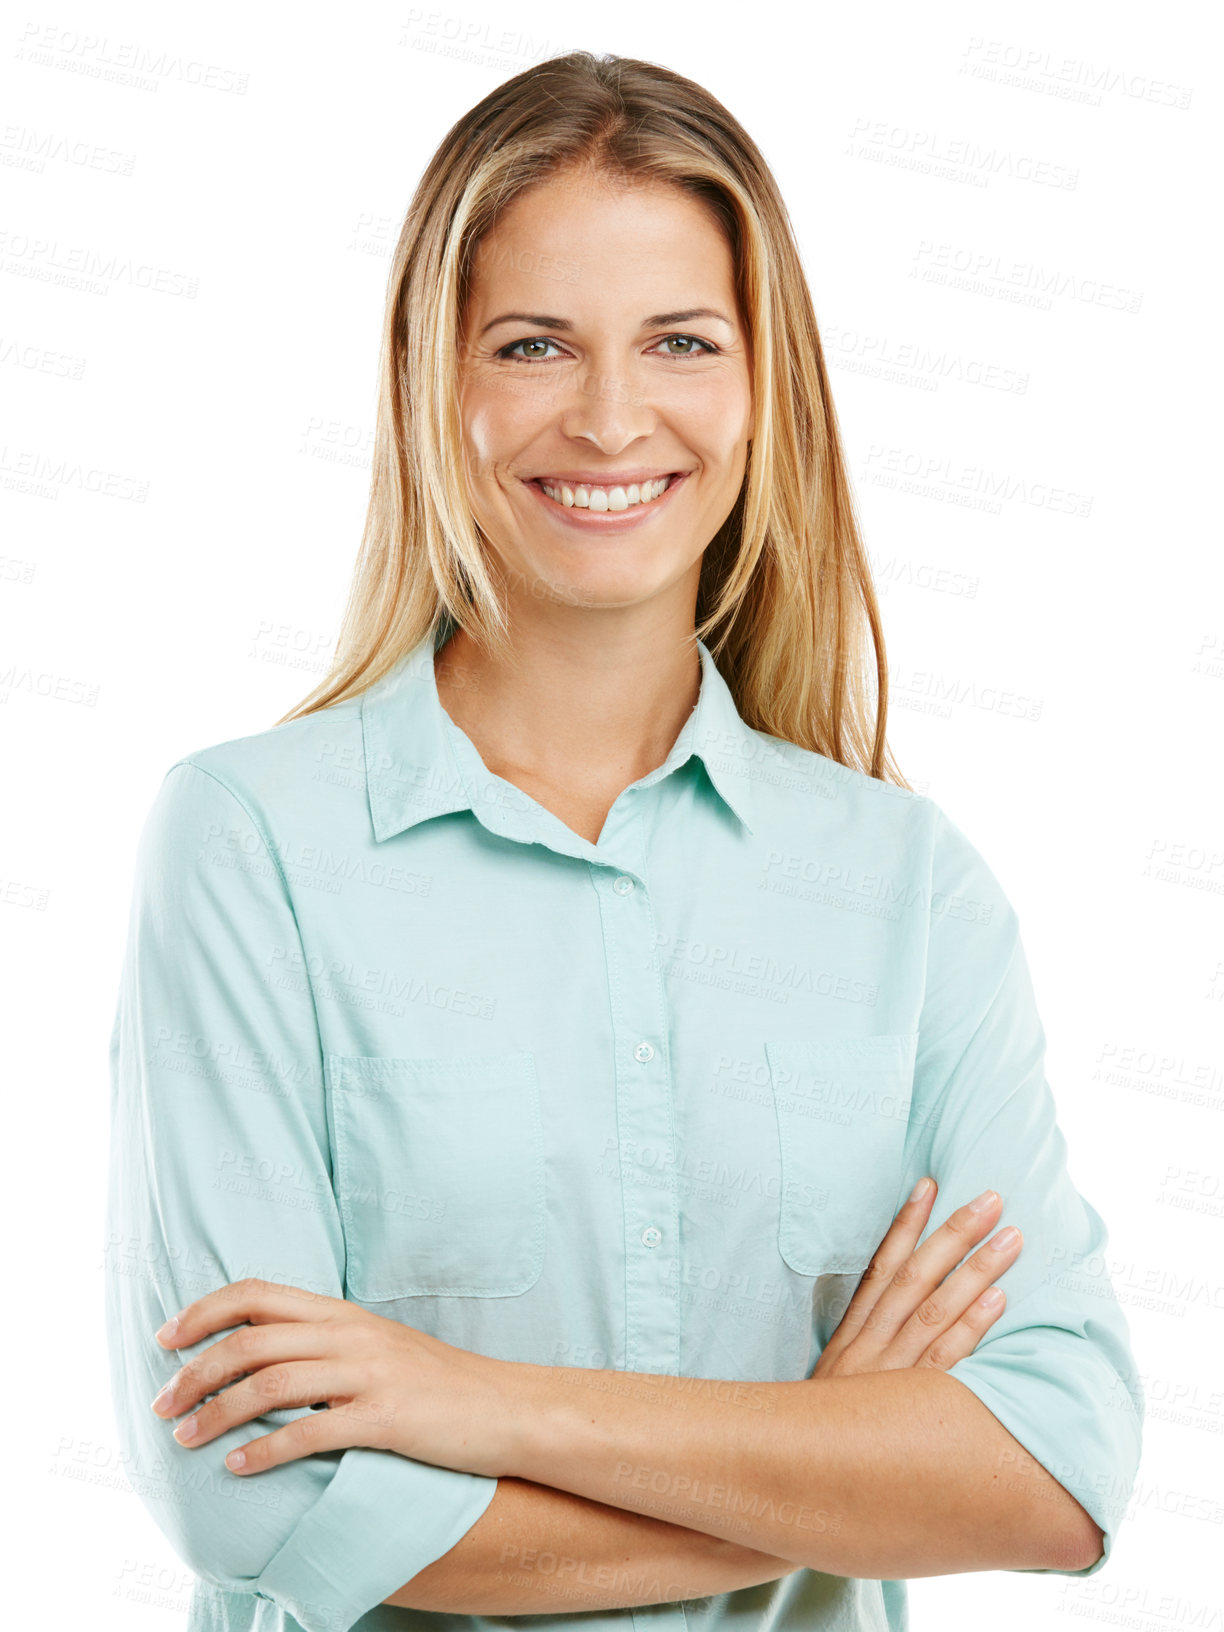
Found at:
<point>389,1386</point>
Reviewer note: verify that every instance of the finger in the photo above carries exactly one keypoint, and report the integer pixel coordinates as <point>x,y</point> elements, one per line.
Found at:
<point>248,1349</point>
<point>950,1301</point>
<point>275,1388</point>
<point>891,1253</point>
<point>964,1335</point>
<point>251,1300</point>
<point>925,1269</point>
<point>332,1430</point>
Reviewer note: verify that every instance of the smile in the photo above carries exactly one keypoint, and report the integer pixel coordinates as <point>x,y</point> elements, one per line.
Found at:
<point>587,504</point>
<point>587,496</point>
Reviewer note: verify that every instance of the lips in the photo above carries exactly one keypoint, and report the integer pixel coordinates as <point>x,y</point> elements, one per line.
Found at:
<point>601,498</point>
<point>611,521</point>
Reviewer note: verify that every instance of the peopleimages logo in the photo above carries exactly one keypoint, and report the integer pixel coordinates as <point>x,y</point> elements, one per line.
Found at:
<point>1075,79</point>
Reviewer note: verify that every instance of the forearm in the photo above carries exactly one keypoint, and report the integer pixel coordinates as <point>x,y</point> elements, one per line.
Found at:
<point>893,1474</point>
<point>536,1550</point>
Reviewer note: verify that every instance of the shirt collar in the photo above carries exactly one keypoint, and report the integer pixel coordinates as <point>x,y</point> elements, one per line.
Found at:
<point>419,763</point>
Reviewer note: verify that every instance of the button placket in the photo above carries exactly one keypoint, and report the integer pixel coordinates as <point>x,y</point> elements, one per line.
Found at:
<point>644,1122</point>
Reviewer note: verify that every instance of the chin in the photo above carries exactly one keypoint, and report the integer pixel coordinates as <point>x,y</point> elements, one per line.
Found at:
<point>611,587</point>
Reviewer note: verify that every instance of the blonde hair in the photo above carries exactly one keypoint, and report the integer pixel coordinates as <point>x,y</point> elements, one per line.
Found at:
<point>785,601</point>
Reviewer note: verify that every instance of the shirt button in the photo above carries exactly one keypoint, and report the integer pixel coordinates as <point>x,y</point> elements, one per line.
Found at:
<point>623,885</point>
<point>651,1237</point>
<point>643,1052</point>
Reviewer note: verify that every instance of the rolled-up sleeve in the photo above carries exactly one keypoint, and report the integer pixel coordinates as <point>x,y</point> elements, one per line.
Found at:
<point>220,1169</point>
<point>1056,1368</point>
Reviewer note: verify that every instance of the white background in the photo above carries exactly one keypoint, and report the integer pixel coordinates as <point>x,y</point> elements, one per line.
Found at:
<point>198,214</point>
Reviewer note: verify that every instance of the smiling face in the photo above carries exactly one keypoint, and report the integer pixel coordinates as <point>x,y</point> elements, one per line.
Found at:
<point>626,359</point>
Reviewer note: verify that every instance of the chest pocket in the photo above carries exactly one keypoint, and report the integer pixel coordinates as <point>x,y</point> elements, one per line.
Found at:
<point>439,1175</point>
<point>842,1106</point>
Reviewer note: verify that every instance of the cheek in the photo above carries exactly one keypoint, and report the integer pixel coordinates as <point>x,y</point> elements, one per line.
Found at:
<point>716,426</point>
<point>483,436</point>
<point>498,420</point>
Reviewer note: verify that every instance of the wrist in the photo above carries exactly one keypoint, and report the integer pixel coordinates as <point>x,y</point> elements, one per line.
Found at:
<point>525,1406</point>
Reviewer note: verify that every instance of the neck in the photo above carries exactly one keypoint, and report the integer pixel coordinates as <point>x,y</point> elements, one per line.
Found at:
<point>573,711</point>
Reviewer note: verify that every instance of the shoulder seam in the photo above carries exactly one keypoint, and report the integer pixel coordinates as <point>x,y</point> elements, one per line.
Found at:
<point>254,820</point>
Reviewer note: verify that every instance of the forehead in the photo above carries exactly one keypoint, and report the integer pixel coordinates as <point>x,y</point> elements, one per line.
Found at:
<point>581,236</point>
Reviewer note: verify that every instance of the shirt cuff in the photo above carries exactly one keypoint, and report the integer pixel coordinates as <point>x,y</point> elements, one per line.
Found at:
<point>1059,1397</point>
<point>381,1520</point>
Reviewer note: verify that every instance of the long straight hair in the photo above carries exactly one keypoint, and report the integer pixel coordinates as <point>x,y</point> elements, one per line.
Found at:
<point>785,599</point>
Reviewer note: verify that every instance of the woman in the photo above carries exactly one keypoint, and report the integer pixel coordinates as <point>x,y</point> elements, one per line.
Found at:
<point>528,1046</point>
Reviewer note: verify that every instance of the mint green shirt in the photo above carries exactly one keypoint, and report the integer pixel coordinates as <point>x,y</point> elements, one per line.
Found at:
<point>389,1030</point>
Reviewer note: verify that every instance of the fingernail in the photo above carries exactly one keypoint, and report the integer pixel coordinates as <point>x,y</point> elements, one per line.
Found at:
<point>187,1430</point>
<point>162,1396</point>
<point>984,1202</point>
<point>920,1189</point>
<point>991,1298</point>
<point>1005,1238</point>
<point>164,1333</point>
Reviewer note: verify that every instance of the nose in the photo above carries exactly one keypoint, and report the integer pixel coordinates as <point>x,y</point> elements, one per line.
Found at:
<point>607,409</point>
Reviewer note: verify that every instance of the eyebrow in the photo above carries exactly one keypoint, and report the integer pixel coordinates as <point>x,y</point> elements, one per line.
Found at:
<point>541,320</point>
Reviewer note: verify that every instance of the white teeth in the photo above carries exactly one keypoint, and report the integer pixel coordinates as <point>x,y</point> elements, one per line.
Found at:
<point>607,498</point>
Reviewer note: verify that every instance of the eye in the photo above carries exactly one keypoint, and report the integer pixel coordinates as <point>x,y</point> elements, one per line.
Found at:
<point>507,353</point>
<point>532,340</point>
<point>690,339</point>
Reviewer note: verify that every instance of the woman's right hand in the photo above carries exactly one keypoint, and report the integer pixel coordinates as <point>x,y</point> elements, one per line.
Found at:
<point>908,1309</point>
